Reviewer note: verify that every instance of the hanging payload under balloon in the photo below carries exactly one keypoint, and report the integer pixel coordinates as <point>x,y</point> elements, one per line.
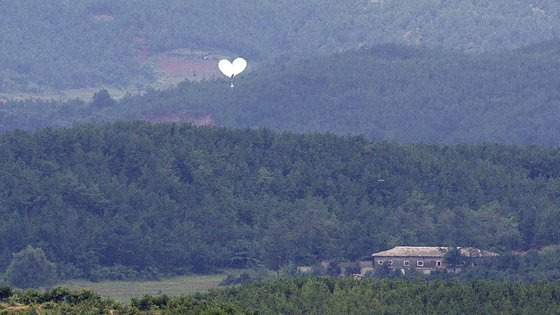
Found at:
<point>232,69</point>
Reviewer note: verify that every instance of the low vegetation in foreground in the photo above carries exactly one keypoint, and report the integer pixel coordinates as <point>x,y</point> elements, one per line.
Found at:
<point>309,296</point>
<point>123,291</point>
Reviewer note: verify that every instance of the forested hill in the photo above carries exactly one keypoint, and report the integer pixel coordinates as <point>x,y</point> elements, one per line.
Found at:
<point>387,92</point>
<point>176,198</point>
<point>69,44</point>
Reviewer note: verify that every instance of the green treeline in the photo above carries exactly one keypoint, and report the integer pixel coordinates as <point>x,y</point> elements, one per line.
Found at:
<point>118,199</point>
<point>314,296</point>
<point>388,92</point>
<point>345,296</point>
<point>63,301</point>
<point>70,45</point>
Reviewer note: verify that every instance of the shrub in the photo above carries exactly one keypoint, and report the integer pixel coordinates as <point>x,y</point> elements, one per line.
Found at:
<point>103,99</point>
<point>5,292</point>
<point>30,268</point>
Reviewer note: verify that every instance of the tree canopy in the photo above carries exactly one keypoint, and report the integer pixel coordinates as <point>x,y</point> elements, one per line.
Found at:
<point>66,44</point>
<point>114,200</point>
<point>30,268</point>
<point>388,92</point>
<point>313,296</point>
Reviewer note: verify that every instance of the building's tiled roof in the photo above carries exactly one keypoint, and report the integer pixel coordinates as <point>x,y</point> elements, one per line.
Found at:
<point>419,251</point>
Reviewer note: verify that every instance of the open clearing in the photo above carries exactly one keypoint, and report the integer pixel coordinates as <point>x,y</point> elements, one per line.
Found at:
<point>125,290</point>
<point>176,65</point>
<point>169,69</point>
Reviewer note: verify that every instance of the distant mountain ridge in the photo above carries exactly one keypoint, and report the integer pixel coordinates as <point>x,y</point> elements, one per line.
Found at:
<point>60,44</point>
<point>388,92</point>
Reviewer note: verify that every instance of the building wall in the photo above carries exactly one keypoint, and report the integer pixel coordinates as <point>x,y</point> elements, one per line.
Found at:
<point>365,267</point>
<point>413,262</point>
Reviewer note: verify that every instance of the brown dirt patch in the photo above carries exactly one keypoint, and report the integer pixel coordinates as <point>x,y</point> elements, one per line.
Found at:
<point>142,53</point>
<point>183,63</point>
<point>17,308</point>
<point>173,66</point>
<point>177,69</point>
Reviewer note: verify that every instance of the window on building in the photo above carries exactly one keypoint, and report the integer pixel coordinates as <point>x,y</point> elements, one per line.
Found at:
<point>420,263</point>
<point>407,263</point>
<point>438,263</point>
<point>380,262</point>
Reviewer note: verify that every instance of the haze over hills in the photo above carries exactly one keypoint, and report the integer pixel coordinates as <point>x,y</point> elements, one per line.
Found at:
<point>65,44</point>
<point>388,92</point>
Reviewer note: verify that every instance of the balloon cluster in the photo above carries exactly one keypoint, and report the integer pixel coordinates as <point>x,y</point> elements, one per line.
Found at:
<point>232,69</point>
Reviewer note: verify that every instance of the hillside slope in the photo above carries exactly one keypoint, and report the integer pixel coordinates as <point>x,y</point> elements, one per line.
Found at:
<point>176,198</point>
<point>388,92</point>
<point>60,44</point>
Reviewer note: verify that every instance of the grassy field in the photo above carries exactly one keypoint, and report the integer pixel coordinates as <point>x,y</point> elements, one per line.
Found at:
<point>125,290</point>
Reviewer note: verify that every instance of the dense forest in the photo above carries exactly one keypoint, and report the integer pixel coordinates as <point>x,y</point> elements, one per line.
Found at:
<point>358,126</point>
<point>118,199</point>
<point>66,44</point>
<point>309,296</point>
<point>388,92</point>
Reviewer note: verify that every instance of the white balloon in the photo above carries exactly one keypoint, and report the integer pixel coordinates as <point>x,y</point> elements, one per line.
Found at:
<point>239,65</point>
<point>231,69</point>
<point>226,67</point>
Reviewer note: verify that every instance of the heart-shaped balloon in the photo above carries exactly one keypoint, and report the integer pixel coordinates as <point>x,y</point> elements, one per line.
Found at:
<point>231,69</point>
